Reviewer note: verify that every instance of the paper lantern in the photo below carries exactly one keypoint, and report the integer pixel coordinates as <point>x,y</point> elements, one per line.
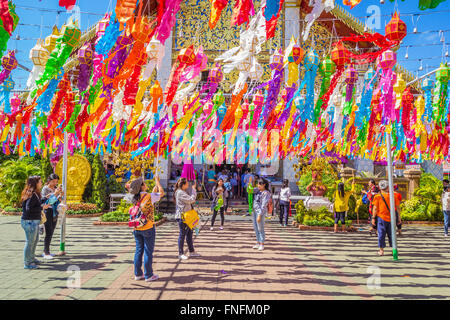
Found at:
<point>85,54</point>
<point>70,34</point>
<point>153,48</point>
<point>256,71</point>
<point>218,98</point>
<point>339,55</point>
<point>396,29</point>
<point>350,75</point>
<point>258,99</point>
<point>427,84</point>
<point>299,102</point>
<point>370,73</point>
<point>407,97</point>
<point>399,85</point>
<point>124,10</point>
<point>8,84</point>
<point>187,55</point>
<point>68,4</point>
<point>215,74</point>
<point>311,59</point>
<point>296,54</point>
<point>443,73</point>
<point>388,59</point>
<point>101,26</point>
<point>328,66</point>
<point>38,54</point>
<point>50,41</point>
<point>276,60</point>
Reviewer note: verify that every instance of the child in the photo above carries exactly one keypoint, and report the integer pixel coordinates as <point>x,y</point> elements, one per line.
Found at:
<point>285,198</point>
<point>219,203</point>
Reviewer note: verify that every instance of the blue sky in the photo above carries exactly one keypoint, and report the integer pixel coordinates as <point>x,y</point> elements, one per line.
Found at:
<point>38,16</point>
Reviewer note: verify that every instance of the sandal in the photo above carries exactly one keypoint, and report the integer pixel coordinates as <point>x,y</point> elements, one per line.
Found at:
<point>380,253</point>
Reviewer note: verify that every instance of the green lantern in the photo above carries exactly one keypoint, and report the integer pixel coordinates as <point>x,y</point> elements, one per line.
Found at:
<point>443,73</point>
<point>328,66</point>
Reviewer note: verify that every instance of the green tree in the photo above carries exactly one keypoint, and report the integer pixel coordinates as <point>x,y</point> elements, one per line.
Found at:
<point>99,182</point>
<point>13,176</point>
<point>46,168</point>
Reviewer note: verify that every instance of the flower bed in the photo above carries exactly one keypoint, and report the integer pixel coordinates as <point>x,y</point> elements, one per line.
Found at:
<point>82,209</point>
<point>322,228</point>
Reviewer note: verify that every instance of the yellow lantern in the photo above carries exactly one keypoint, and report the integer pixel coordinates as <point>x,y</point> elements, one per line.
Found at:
<point>50,41</point>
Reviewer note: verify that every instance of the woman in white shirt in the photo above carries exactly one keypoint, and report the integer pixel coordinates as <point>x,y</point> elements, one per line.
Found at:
<point>285,198</point>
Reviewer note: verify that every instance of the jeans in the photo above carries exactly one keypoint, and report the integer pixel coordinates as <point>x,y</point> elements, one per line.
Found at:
<point>284,211</point>
<point>185,232</point>
<point>31,228</point>
<point>145,244</point>
<point>446,221</point>
<point>50,226</point>
<point>259,228</point>
<point>384,228</point>
<point>222,216</point>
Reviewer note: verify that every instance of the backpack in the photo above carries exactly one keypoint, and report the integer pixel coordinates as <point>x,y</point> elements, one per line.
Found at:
<point>137,217</point>
<point>365,199</point>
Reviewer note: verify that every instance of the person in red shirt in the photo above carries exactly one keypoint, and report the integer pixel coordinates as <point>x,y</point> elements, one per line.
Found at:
<point>381,211</point>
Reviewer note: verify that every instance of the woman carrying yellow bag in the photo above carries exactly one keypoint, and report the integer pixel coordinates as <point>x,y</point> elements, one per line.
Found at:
<point>184,210</point>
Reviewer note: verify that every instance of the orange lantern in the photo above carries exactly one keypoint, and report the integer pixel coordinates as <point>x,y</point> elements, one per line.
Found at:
<point>339,55</point>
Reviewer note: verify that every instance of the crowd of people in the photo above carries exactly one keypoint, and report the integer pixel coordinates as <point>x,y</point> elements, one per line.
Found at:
<point>40,208</point>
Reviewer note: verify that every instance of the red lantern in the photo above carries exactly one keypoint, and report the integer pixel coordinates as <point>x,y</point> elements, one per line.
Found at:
<point>339,55</point>
<point>396,29</point>
<point>187,55</point>
<point>296,55</point>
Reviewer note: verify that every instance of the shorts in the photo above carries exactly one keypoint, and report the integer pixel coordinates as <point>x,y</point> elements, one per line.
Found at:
<point>339,216</point>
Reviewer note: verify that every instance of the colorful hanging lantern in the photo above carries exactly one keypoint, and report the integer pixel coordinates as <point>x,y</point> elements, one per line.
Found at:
<point>396,29</point>
<point>339,55</point>
<point>124,11</point>
<point>100,29</point>
<point>39,56</point>
<point>50,41</point>
<point>68,4</point>
<point>9,63</point>
<point>71,34</point>
<point>215,74</point>
<point>443,73</point>
<point>427,86</point>
<point>388,59</point>
<point>351,77</point>
<point>296,55</point>
<point>85,56</point>
<point>276,61</point>
<point>216,9</point>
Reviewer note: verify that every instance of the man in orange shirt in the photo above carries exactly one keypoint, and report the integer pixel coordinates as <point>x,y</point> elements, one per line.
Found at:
<point>382,211</point>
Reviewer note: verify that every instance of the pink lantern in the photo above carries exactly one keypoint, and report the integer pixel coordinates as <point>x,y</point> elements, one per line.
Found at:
<point>258,99</point>
<point>85,54</point>
<point>101,26</point>
<point>388,59</point>
<point>216,74</point>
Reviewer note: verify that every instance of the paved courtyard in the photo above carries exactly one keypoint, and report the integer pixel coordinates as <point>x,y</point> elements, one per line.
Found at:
<point>295,264</point>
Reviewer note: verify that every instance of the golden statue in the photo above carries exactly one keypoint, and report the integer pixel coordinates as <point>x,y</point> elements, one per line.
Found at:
<point>78,176</point>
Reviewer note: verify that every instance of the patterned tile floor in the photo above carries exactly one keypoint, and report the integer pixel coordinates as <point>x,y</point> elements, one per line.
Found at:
<point>295,264</point>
